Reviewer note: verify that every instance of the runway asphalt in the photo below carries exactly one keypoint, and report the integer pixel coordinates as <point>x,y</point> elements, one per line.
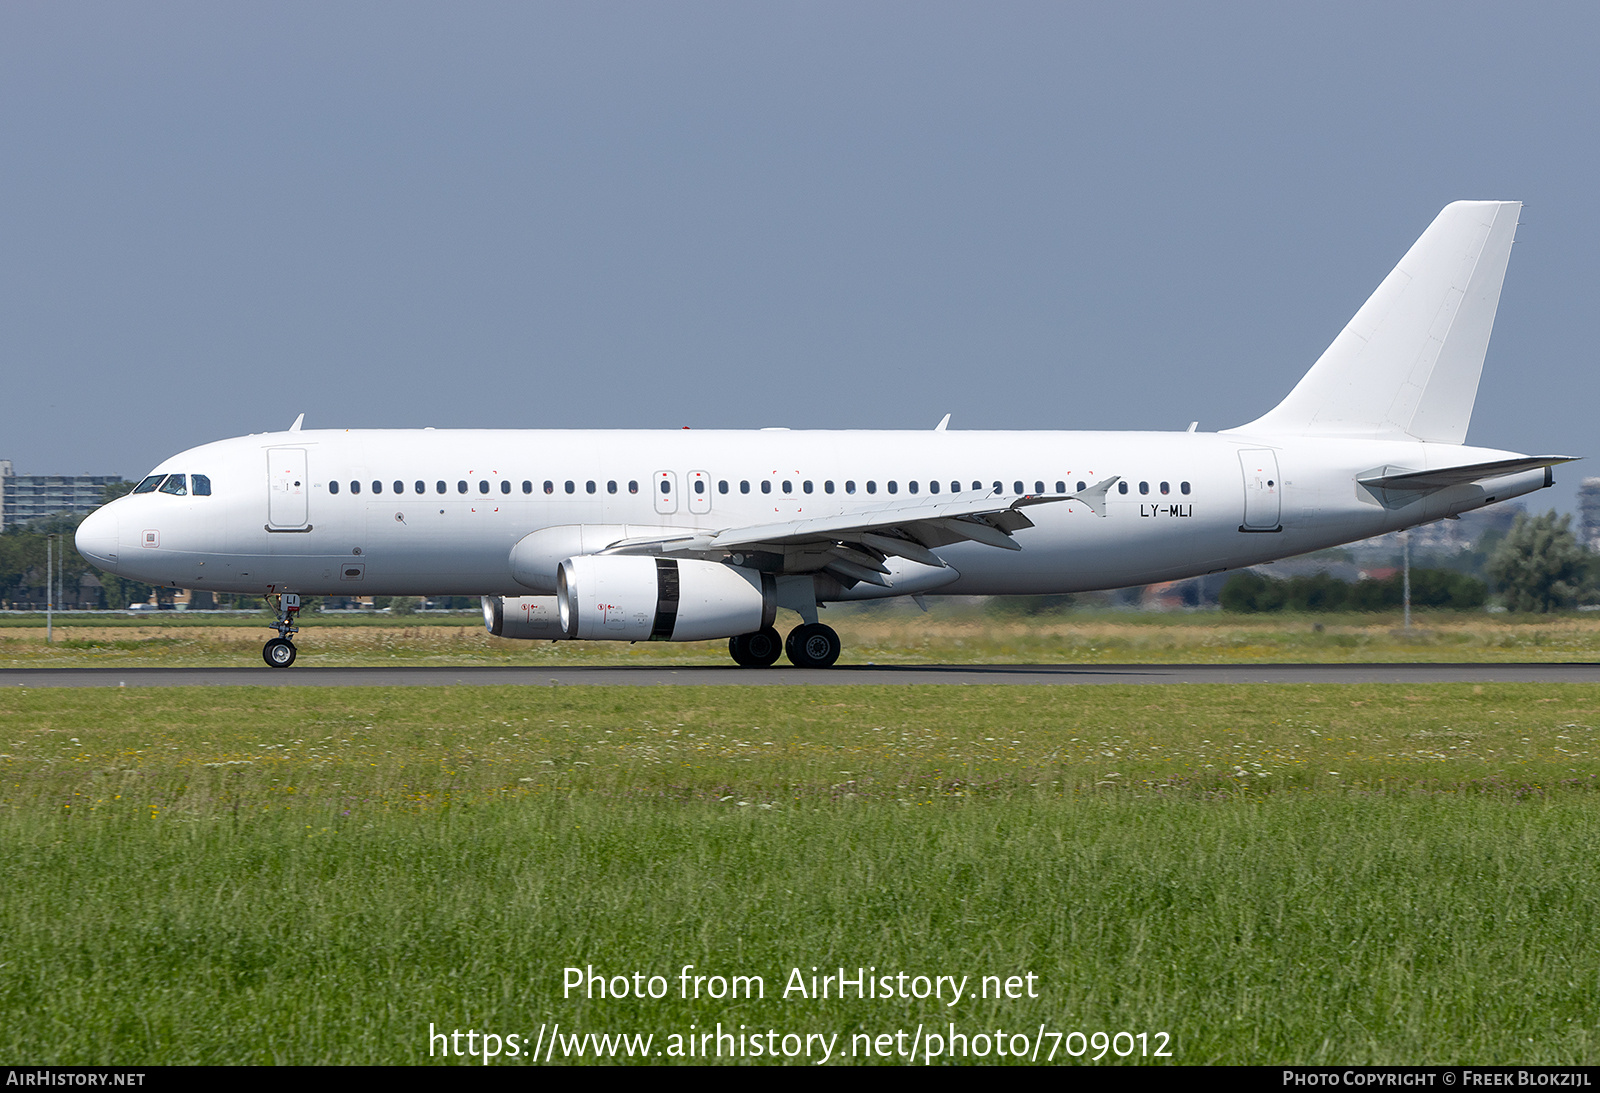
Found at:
<point>847,675</point>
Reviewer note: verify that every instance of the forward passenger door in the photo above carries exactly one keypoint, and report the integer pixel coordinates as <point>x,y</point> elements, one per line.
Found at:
<point>286,489</point>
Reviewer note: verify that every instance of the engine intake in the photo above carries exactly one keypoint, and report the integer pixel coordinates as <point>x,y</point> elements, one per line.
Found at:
<point>635,598</point>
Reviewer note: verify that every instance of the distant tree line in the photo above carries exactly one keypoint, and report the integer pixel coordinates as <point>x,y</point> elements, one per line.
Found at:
<point>1538,566</point>
<point>1250,592</point>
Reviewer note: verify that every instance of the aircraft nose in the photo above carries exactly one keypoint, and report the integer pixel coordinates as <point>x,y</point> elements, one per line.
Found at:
<point>97,539</point>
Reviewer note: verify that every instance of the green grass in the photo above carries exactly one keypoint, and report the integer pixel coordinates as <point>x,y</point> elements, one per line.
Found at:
<point>951,634</point>
<point>1268,874</point>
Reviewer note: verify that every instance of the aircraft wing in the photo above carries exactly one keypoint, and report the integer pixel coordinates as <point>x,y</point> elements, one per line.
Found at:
<point>1442,477</point>
<point>854,544</point>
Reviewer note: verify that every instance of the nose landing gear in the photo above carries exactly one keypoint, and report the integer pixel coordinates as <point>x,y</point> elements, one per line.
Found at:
<point>280,651</point>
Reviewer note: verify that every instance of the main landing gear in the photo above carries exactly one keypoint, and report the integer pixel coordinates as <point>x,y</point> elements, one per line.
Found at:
<point>759,650</point>
<point>810,645</point>
<point>280,651</point>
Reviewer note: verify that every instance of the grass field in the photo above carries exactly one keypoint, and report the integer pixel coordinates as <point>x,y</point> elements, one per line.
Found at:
<point>886,635</point>
<point>1338,874</point>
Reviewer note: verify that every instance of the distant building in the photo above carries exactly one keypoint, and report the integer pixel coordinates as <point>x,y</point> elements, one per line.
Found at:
<point>1589,513</point>
<point>25,497</point>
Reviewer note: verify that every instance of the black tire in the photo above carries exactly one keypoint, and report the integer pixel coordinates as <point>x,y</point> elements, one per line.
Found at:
<point>278,653</point>
<point>813,645</point>
<point>758,650</point>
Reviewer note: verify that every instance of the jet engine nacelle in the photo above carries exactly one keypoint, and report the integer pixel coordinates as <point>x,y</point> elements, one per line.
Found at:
<point>636,598</point>
<point>528,617</point>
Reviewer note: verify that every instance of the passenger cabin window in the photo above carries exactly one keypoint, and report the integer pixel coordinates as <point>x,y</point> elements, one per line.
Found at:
<point>461,485</point>
<point>200,485</point>
<point>933,487</point>
<point>633,487</point>
<point>722,486</point>
<point>766,485</point>
<point>149,484</point>
<point>1038,487</point>
<point>955,487</point>
<point>505,485</point>
<point>611,486</point>
<point>527,486</point>
<point>588,487</point>
<point>355,487</point>
<point>1017,487</point>
<point>1144,487</point>
<point>377,487</point>
<point>700,485</point>
<point>979,485</point>
<point>1165,488</point>
<point>1061,487</point>
<point>1122,487</point>
<point>399,487</point>
<point>438,487</point>
<point>666,486</point>
<point>788,487</point>
<point>999,487</point>
<point>894,487</point>
<point>571,486</point>
<point>1183,488</point>
<point>549,486</point>
<point>333,487</point>
<point>744,487</point>
<point>872,487</point>
<point>1082,487</point>
<point>483,485</point>
<point>911,487</point>
<point>827,487</point>
<point>850,486</point>
<point>806,486</point>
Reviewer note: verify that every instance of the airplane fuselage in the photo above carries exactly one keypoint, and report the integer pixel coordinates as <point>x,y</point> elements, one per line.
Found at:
<point>438,512</point>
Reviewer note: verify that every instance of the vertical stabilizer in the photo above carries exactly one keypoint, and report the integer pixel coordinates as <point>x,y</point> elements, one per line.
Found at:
<point>1407,366</point>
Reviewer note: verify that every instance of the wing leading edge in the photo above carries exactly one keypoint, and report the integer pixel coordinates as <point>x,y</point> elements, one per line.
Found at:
<point>854,546</point>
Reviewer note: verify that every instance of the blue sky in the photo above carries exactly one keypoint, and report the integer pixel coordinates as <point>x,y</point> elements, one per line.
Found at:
<point>214,217</point>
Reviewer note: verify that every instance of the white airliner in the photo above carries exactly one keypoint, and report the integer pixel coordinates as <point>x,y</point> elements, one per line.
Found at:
<point>693,535</point>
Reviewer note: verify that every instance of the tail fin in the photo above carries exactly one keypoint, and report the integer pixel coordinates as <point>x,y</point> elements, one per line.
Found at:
<point>1407,366</point>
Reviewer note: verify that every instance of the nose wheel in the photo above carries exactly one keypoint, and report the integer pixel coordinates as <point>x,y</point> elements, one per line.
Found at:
<point>280,651</point>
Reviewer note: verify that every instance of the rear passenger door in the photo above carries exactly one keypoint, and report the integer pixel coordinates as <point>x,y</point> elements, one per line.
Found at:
<point>1263,490</point>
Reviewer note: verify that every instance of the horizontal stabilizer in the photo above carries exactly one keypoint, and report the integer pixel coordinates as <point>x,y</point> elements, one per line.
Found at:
<point>1461,476</point>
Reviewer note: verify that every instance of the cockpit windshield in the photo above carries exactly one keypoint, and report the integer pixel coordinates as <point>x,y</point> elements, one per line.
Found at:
<point>177,485</point>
